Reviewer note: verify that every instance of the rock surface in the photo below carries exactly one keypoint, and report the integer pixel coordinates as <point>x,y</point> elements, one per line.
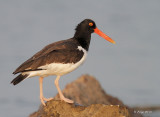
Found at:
<point>86,90</point>
<point>61,109</point>
<point>91,99</point>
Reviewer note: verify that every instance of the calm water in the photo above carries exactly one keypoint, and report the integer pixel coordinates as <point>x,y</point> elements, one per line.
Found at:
<point>128,70</point>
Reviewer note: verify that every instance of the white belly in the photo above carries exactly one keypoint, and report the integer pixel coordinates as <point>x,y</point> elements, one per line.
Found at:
<point>58,68</point>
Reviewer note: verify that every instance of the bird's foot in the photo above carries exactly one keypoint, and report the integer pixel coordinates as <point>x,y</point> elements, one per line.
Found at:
<point>66,100</point>
<point>45,99</point>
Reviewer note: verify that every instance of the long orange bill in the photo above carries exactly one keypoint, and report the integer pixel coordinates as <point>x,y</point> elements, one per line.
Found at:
<point>100,33</point>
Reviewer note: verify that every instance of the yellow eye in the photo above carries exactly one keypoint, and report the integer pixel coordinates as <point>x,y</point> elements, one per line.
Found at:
<point>90,24</point>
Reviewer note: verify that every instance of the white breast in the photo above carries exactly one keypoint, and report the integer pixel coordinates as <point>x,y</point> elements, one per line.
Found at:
<point>58,68</point>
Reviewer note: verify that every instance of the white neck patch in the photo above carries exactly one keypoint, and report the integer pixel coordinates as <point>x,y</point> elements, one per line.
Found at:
<point>80,48</point>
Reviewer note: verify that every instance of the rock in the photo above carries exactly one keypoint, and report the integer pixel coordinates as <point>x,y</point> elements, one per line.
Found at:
<point>91,99</point>
<point>86,90</point>
<point>62,109</point>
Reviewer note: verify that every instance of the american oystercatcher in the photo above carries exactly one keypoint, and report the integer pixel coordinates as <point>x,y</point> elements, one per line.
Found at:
<point>59,58</point>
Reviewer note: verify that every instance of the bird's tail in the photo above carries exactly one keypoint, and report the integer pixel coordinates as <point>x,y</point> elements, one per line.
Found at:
<point>18,79</point>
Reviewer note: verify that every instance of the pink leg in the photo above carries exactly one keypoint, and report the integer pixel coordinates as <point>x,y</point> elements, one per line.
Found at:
<point>60,92</point>
<point>41,92</point>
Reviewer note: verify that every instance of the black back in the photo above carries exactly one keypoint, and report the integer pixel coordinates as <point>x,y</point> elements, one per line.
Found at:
<point>65,51</point>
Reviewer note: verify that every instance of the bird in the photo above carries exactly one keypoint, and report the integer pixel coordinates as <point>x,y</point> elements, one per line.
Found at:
<point>59,58</point>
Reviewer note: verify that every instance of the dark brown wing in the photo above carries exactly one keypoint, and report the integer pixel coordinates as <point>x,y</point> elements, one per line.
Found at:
<point>60,52</point>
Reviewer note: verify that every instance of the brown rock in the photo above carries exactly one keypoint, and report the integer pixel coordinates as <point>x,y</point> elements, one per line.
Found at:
<point>86,91</point>
<point>62,109</point>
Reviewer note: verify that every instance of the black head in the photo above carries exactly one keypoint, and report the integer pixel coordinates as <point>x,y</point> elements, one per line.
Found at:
<point>84,30</point>
<point>86,27</point>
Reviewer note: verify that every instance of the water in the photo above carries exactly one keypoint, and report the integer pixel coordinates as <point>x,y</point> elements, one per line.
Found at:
<point>128,70</point>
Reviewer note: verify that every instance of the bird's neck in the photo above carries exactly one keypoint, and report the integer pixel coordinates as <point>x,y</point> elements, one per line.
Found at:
<point>83,39</point>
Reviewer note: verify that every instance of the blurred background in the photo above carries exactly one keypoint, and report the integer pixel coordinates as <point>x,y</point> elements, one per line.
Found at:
<point>128,70</point>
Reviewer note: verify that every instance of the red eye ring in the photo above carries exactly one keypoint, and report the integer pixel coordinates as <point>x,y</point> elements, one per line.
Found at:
<point>90,24</point>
